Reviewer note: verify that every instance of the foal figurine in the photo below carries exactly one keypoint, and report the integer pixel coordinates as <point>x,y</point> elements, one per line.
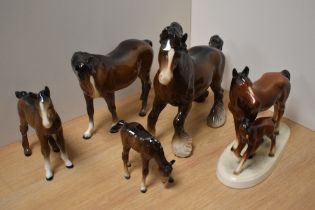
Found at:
<point>134,136</point>
<point>264,126</point>
<point>37,110</point>
<point>101,76</point>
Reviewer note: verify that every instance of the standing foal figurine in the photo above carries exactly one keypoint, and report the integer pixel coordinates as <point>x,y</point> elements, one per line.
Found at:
<point>184,76</point>
<point>37,110</point>
<point>264,126</point>
<point>101,76</point>
<point>134,136</point>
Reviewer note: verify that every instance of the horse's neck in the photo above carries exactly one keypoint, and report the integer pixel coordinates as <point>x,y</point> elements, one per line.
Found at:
<point>160,159</point>
<point>185,67</point>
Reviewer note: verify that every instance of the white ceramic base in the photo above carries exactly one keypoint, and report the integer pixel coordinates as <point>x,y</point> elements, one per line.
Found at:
<point>255,170</point>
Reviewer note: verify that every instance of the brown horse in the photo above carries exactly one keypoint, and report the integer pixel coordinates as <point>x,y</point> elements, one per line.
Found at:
<point>264,126</point>
<point>101,76</point>
<point>134,136</point>
<point>183,77</point>
<point>37,110</point>
<point>247,99</point>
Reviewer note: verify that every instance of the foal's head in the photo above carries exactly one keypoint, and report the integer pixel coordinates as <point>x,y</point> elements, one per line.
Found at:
<point>83,64</point>
<point>167,171</point>
<point>172,40</point>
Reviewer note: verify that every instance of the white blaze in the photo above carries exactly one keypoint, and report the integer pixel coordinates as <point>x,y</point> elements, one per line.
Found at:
<point>167,46</point>
<point>95,91</point>
<point>166,74</point>
<point>43,112</point>
<point>252,95</point>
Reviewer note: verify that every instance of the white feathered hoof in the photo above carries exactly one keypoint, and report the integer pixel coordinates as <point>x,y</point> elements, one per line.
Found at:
<point>216,118</point>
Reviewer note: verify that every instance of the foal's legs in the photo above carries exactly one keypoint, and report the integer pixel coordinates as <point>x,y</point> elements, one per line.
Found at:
<point>273,144</point>
<point>110,100</point>
<point>23,130</point>
<point>46,152</point>
<point>144,76</point>
<point>53,144</point>
<point>90,110</point>
<point>158,106</point>
<point>239,168</point>
<point>182,142</point>
<point>61,144</point>
<point>281,107</point>
<point>125,158</point>
<point>216,117</point>
<point>145,172</point>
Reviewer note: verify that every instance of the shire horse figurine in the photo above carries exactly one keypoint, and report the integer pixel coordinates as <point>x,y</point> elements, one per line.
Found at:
<point>37,110</point>
<point>101,76</point>
<point>183,77</point>
<point>134,136</point>
<point>264,126</point>
<point>248,98</point>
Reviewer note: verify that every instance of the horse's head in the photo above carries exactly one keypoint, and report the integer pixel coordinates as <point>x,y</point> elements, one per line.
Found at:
<point>172,40</point>
<point>166,172</point>
<point>216,42</point>
<point>44,106</point>
<point>83,64</point>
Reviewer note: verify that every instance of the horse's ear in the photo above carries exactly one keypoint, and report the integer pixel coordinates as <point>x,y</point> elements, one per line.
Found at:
<point>234,73</point>
<point>245,72</point>
<point>184,37</point>
<point>47,91</point>
<point>172,162</point>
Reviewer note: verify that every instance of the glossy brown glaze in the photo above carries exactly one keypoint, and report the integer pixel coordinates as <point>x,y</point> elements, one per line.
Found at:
<point>134,136</point>
<point>264,126</point>
<point>247,99</point>
<point>183,77</point>
<point>37,110</point>
<point>101,76</point>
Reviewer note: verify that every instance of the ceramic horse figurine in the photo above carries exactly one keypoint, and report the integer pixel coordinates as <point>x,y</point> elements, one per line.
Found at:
<point>264,126</point>
<point>37,110</point>
<point>101,76</point>
<point>183,77</point>
<point>134,136</point>
<point>248,98</point>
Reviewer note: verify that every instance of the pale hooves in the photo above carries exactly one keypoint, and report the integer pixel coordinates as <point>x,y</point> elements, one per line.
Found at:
<point>87,135</point>
<point>182,147</point>
<point>216,118</point>
<point>50,178</point>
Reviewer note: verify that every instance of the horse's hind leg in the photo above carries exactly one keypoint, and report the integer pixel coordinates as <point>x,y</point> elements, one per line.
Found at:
<point>145,172</point>
<point>273,144</point>
<point>61,144</point>
<point>53,144</point>
<point>23,130</point>
<point>125,158</point>
<point>110,100</point>
<point>279,113</point>
<point>216,117</point>
<point>46,152</point>
<point>144,76</point>
<point>157,108</point>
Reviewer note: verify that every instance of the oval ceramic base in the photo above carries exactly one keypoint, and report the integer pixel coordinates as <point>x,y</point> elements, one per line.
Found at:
<point>255,170</point>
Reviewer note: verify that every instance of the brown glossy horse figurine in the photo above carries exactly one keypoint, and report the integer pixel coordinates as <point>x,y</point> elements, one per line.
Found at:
<point>183,77</point>
<point>264,126</point>
<point>247,99</point>
<point>101,76</point>
<point>134,136</point>
<point>37,110</point>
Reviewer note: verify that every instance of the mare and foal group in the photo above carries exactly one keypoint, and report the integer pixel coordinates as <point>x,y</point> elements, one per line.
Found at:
<point>184,76</point>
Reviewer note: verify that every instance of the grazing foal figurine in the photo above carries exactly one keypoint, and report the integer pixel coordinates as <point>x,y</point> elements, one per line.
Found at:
<point>37,110</point>
<point>101,76</point>
<point>134,136</point>
<point>184,76</point>
<point>248,98</point>
<point>264,126</point>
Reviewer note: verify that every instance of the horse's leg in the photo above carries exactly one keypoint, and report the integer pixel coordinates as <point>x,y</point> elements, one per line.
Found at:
<point>61,144</point>
<point>202,97</point>
<point>46,152</point>
<point>110,100</point>
<point>145,172</point>
<point>90,110</point>
<point>144,76</point>
<point>158,106</point>
<point>125,158</point>
<point>281,107</point>
<point>182,142</point>
<point>273,144</point>
<point>216,117</point>
<point>23,130</point>
<point>239,168</point>
<point>53,143</point>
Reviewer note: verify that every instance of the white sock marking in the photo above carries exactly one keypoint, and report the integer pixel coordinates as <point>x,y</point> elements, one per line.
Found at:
<point>65,158</point>
<point>48,169</point>
<point>89,131</point>
<point>235,144</point>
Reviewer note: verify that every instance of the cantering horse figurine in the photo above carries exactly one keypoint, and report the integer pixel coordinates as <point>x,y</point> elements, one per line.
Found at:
<point>134,136</point>
<point>248,98</point>
<point>101,76</point>
<point>183,77</point>
<point>37,110</point>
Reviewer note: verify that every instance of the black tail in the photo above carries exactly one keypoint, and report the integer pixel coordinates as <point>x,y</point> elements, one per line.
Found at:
<point>149,42</point>
<point>216,42</point>
<point>286,73</point>
<point>118,125</point>
<point>20,94</point>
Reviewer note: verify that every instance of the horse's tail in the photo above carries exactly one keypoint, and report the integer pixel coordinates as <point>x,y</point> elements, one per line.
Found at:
<point>20,94</point>
<point>118,125</point>
<point>216,42</point>
<point>286,73</point>
<point>149,42</point>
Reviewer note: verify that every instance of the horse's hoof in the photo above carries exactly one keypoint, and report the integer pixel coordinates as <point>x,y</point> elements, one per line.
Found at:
<point>50,178</point>
<point>86,137</point>
<point>271,155</point>
<point>127,177</point>
<point>128,164</point>
<point>56,149</point>
<point>27,152</point>
<point>182,147</point>
<point>142,113</point>
<point>114,129</point>
<point>143,190</point>
<point>236,173</point>
<point>69,167</point>
<point>216,118</point>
